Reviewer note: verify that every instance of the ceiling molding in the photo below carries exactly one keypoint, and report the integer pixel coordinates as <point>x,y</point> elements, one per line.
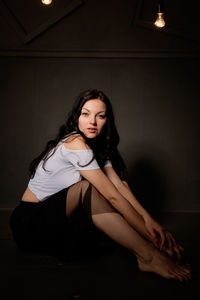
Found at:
<point>169,30</point>
<point>97,53</point>
<point>28,37</point>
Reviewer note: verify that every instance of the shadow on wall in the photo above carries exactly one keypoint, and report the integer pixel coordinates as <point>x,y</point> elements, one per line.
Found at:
<point>148,182</point>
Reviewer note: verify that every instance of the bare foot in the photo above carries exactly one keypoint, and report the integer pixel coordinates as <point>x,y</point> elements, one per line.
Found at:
<point>165,267</point>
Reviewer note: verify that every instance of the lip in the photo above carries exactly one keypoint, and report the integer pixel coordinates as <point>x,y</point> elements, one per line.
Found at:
<point>92,129</point>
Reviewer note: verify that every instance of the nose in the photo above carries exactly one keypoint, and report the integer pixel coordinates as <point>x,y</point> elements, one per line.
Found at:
<point>93,120</point>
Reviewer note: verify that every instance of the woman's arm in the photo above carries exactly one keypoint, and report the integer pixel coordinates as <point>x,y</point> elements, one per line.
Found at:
<point>125,191</point>
<point>166,241</point>
<point>152,226</point>
<point>104,185</point>
<point>109,190</point>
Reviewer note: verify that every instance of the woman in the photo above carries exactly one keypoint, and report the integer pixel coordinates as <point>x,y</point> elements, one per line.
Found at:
<point>82,168</point>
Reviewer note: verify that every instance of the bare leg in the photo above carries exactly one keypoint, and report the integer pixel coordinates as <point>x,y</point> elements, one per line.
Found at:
<point>105,217</point>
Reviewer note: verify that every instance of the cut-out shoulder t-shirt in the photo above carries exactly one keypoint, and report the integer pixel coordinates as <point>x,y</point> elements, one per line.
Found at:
<point>62,170</point>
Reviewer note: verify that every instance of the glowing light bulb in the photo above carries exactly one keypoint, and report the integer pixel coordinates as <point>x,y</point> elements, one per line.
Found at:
<point>160,22</point>
<point>46,2</point>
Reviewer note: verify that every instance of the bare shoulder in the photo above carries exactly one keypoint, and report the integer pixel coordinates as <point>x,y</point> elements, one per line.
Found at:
<point>76,143</point>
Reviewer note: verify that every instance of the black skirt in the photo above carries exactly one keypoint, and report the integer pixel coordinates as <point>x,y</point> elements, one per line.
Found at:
<point>43,227</point>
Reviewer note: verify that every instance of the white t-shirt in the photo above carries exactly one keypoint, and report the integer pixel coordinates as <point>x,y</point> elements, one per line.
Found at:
<point>62,170</point>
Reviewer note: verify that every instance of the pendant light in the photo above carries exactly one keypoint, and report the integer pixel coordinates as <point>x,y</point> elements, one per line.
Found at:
<point>46,2</point>
<point>160,22</point>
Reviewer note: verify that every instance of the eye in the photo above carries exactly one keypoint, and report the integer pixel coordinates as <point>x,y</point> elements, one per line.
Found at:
<point>84,114</point>
<point>102,116</point>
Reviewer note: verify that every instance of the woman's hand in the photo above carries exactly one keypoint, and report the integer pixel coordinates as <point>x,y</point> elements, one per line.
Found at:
<point>156,231</point>
<point>163,239</point>
<point>174,250</point>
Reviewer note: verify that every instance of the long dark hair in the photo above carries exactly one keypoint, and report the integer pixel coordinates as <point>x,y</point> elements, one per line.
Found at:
<point>104,145</point>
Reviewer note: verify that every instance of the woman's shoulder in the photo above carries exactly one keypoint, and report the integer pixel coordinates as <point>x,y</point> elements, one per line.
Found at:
<point>76,142</point>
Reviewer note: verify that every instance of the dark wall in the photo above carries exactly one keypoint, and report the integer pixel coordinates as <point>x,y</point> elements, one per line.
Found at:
<point>154,91</point>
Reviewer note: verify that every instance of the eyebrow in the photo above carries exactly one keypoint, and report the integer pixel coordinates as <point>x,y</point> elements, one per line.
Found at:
<point>98,112</point>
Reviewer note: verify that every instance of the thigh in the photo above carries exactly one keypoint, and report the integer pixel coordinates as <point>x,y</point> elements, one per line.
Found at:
<point>75,195</point>
<point>99,204</point>
<point>83,195</point>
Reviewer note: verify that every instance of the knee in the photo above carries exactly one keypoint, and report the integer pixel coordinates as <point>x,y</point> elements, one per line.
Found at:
<point>85,184</point>
<point>79,187</point>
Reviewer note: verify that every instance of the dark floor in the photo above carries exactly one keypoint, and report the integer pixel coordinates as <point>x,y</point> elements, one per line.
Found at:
<point>112,275</point>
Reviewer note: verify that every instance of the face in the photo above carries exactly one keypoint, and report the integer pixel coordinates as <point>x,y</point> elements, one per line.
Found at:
<point>92,118</point>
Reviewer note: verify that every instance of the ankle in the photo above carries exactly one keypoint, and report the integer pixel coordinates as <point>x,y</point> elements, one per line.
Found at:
<point>146,256</point>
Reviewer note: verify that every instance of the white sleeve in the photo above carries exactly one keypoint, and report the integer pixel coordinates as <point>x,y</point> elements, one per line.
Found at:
<point>82,159</point>
<point>108,163</point>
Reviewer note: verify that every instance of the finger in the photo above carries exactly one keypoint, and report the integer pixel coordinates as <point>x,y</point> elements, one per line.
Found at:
<point>181,250</point>
<point>173,244</point>
<point>179,247</point>
<point>178,254</point>
<point>163,238</point>
<point>169,241</point>
<point>154,236</point>
<point>169,248</point>
<point>157,242</point>
<point>172,239</point>
<point>178,250</point>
